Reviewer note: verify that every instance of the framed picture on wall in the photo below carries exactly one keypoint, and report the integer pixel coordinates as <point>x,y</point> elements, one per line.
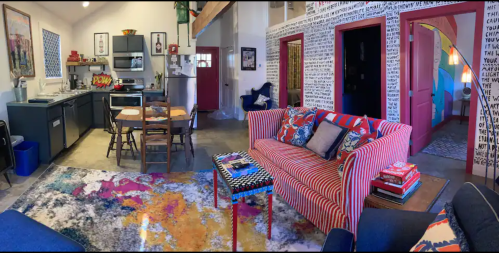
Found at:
<point>248,58</point>
<point>101,44</point>
<point>158,43</point>
<point>19,41</point>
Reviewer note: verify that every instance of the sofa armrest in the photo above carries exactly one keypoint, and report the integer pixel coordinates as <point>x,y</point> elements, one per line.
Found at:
<point>363,164</point>
<point>264,124</point>
<point>338,240</point>
<point>387,230</point>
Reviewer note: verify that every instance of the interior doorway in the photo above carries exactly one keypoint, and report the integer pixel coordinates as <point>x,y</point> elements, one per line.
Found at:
<point>428,100</point>
<point>360,68</point>
<point>208,84</point>
<point>291,71</point>
<point>362,72</point>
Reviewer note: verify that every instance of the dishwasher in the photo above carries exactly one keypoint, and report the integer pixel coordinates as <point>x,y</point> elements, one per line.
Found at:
<point>71,131</point>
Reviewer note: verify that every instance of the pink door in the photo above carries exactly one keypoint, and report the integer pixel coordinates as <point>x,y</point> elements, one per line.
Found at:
<point>421,86</point>
<point>207,78</point>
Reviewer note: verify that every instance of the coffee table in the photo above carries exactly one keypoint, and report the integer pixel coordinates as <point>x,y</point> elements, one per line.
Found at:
<point>242,187</point>
<point>421,201</point>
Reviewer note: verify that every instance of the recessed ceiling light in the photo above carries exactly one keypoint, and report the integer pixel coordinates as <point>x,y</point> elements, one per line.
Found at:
<point>85,4</point>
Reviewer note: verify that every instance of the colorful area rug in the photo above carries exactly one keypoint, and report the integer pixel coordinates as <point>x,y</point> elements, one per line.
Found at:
<point>128,211</point>
<point>449,145</point>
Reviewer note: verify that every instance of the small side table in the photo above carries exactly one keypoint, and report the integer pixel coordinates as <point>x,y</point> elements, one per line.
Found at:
<point>421,201</point>
<point>243,186</point>
<point>464,103</point>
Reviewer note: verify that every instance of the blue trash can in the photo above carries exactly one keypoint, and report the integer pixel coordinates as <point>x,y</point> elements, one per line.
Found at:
<point>26,154</point>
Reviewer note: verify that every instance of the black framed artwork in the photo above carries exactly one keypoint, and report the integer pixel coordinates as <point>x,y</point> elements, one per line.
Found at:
<point>101,44</point>
<point>158,43</point>
<point>248,58</point>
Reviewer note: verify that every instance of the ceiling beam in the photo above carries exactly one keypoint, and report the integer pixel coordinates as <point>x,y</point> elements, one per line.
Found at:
<point>210,11</point>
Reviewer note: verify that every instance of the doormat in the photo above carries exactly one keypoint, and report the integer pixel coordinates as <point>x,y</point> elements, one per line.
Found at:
<point>448,145</point>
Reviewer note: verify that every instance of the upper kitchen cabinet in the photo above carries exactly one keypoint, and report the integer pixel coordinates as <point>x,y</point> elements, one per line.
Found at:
<point>128,43</point>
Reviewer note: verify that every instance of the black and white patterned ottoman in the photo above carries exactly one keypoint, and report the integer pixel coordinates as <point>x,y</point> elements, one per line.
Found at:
<point>243,186</point>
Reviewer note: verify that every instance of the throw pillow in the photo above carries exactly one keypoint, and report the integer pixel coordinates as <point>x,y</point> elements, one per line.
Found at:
<point>261,100</point>
<point>355,138</point>
<point>375,125</point>
<point>443,234</point>
<point>327,139</point>
<point>296,127</point>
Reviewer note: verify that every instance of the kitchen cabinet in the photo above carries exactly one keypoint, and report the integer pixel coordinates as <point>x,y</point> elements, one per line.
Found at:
<point>39,124</point>
<point>98,110</point>
<point>128,43</point>
<point>85,117</point>
<point>56,135</point>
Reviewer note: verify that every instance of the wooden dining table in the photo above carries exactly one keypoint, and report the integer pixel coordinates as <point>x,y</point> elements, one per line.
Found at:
<point>180,118</point>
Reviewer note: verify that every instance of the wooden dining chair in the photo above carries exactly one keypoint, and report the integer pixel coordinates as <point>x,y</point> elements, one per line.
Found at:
<point>110,127</point>
<point>181,132</point>
<point>148,138</point>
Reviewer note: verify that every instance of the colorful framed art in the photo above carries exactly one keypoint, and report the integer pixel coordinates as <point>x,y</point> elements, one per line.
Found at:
<point>19,41</point>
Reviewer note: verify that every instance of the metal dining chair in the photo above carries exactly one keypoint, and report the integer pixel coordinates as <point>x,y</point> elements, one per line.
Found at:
<point>181,132</point>
<point>110,127</point>
<point>148,138</point>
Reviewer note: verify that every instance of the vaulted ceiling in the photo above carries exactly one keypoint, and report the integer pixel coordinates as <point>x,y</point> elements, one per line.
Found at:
<point>71,11</point>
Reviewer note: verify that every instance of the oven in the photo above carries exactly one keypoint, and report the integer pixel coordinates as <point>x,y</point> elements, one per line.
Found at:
<point>120,100</point>
<point>128,62</point>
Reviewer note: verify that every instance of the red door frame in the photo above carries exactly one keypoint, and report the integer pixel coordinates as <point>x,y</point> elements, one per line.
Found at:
<point>338,58</point>
<point>453,9</point>
<point>215,58</point>
<point>283,68</point>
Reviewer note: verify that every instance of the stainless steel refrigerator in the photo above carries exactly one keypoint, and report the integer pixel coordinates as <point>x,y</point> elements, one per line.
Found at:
<point>180,81</point>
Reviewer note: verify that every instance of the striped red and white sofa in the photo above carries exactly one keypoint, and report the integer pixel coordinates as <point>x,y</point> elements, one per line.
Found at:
<point>311,184</point>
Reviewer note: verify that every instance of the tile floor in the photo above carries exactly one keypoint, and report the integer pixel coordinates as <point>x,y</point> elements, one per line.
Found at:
<point>211,137</point>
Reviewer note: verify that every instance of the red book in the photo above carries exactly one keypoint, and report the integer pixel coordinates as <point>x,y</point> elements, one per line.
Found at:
<point>395,188</point>
<point>398,173</point>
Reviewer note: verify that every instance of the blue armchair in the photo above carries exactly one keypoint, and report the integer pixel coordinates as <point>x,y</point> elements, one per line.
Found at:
<point>248,101</point>
<point>475,207</point>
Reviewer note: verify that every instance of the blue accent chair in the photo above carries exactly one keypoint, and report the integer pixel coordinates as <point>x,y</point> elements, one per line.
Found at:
<point>18,232</point>
<point>248,101</point>
<point>476,208</point>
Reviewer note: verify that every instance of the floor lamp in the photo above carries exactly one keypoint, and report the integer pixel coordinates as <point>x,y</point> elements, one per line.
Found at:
<point>455,57</point>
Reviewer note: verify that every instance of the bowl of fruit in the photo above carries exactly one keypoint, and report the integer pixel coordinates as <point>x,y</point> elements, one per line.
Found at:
<point>129,31</point>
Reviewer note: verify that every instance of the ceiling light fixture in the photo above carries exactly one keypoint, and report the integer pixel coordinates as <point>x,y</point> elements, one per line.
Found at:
<point>85,4</point>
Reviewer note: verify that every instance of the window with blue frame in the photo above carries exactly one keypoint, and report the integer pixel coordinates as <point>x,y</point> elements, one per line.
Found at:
<point>52,54</point>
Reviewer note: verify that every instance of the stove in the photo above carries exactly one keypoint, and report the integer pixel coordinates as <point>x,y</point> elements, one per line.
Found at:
<point>130,95</point>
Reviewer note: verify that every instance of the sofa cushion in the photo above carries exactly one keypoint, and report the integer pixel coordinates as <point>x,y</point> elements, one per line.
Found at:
<point>296,127</point>
<point>354,139</point>
<point>305,166</point>
<point>476,208</point>
<point>327,139</point>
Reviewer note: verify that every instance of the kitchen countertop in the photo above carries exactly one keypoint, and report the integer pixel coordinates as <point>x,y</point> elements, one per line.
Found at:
<point>65,97</point>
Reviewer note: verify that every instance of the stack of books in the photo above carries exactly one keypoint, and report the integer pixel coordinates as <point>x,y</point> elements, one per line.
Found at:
<point>237,165</point>
<point>396,183</point>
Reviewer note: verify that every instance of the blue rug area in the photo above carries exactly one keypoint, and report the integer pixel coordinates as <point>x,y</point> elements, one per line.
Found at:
<point>448,145</point>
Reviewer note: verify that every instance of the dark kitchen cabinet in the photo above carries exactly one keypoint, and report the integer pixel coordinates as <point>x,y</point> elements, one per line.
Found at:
<point>128,43</point>
<point>56,135</point>
<point>98,110</point>
<point>44,125</point>
<point>85,117</point>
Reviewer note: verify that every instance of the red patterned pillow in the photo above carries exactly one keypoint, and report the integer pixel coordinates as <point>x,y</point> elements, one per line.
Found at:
<point>355,138</point>
<point>296,126</point>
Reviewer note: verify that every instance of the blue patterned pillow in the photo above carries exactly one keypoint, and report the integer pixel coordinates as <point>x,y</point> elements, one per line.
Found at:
<point>296,127</point>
